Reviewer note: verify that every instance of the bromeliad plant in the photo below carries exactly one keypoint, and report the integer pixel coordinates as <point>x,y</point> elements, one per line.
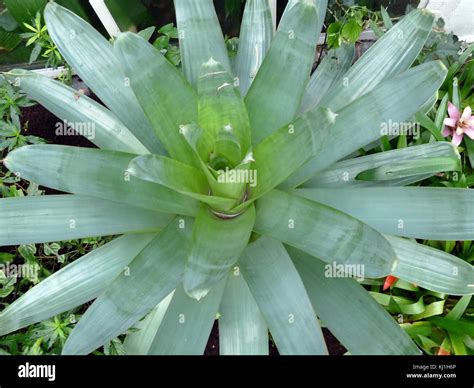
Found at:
<point>234,201</point>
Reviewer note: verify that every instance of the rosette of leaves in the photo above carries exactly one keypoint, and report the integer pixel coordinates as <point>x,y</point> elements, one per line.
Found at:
<point>194,242</point>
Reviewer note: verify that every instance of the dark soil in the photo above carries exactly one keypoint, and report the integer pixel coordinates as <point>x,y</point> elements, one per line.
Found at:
<point>40,122</point>
<point>334,347</point>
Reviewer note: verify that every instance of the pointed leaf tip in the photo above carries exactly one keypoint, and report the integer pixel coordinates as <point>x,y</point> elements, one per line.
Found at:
<point>195,292</point>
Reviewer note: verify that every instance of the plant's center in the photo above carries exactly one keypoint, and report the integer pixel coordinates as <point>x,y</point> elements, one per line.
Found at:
<point>462,125</point>
<point>219,163</point>
<point>230,216</point>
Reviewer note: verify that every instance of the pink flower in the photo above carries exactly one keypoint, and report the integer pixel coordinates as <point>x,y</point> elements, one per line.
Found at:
<point>457,124</point>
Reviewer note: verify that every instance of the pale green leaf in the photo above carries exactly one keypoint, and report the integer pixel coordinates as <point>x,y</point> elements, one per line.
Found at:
<point>94,60</point>
<point>78,111</point>
<point>392,54</point>
<point>188,320</point>
<point>139,341</point>
<point>343,174</point>
<point>167,99</point>
<point>348,310</point>
<point>364,120</point>
<point>276,93</point>
<point>149,278</point>
<point>31,220</point>
<point>283,152</point>
<point>406,169</point>
<point>217,245</point>
<point>387,21</point>
<point>324,232</point>
<point>332,68</point>
<point>431,268</point>
<point>282,299</point>
<point>221,107</point>
<point>256,34</point>
<point>97,173</point>
<point>242,328</point>
<point>200,37</point>
<point>421,212</point>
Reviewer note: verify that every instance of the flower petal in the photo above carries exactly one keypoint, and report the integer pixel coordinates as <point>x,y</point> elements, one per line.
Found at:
<point>457,139</point>
<point>454,112</point>
<point>466,115</point>
<point>447,131</point>
<point>469,132</point>
<point>443,352</point>
<point>450,122</point>
<point>389,281</point>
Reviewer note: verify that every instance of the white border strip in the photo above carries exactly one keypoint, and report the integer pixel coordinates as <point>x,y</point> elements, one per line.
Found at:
<point>50,72</point>
<point>273,8</point>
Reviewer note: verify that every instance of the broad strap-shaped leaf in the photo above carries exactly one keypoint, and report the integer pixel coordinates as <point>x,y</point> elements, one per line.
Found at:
<point>324,232</point>
<point>242,328</point>
<point>217,245</point>
<point>138,342</point>
<point>256,34</point>
<point>331,70</point>
<point>419,212</point>
<point>75,284</point>
<point>177,176</point>
<point>350,313</point>
<point>80,112</point>
<point>283,152</point>
<point>343,174</point>
<point>34,220</point>
<point>151,276</point>
<point>221,107</point>
<point>200,37</point>
<point>190,321</point>
<point>275,95</point>
<point>282,298</point>
<point>431,268</point>
<point>392,54</point>
<point>94,60</point>
<point>97,173</point>
<point>363,121</point>
<point>407,169</point>
<point>167,99</point>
